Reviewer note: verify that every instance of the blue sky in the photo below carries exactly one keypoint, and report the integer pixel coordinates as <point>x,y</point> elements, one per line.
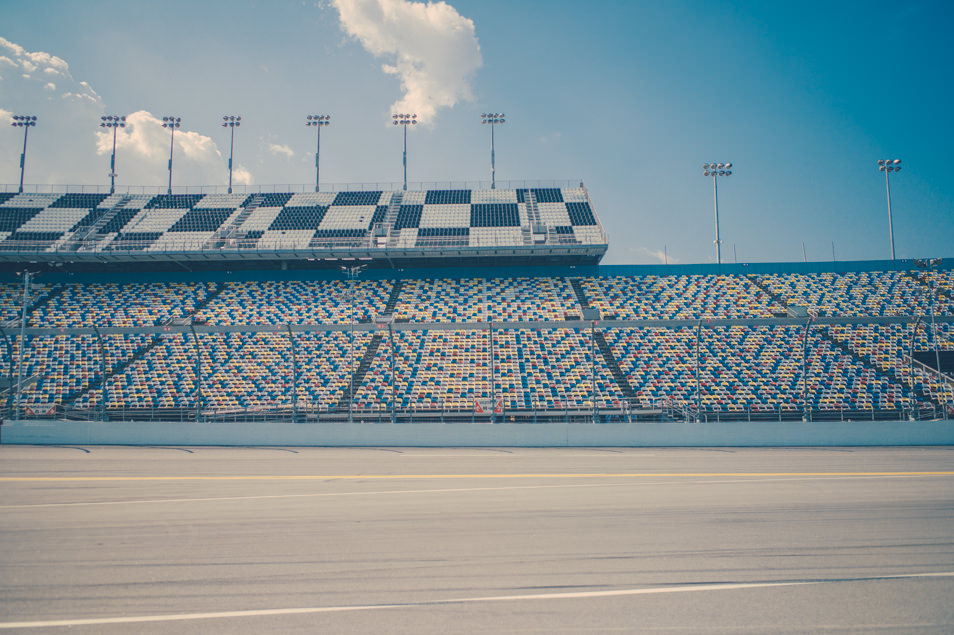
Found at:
<point>631,97</point>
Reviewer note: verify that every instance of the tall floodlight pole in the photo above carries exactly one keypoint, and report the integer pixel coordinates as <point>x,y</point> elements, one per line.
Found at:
<point>493,119</point>
<point>352,274</point>
<point>318,121</point>
<point>114,122</point>
<point>23,121</point>
<point>232,122</point>
<point>716,170</point>
<point>405,120</point>
<point>171,123</point>
<point>888,166</point>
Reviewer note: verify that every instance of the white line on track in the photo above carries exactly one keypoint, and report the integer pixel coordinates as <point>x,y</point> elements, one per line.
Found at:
<point>310,495</point>
<point>440,490</point>
<point>690,588</point>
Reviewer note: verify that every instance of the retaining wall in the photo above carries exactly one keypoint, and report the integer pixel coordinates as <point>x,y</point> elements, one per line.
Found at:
<point>724,434</point>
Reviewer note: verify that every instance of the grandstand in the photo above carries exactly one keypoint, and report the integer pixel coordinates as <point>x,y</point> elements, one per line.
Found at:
<point>463,305</point>
<point>268,229</point>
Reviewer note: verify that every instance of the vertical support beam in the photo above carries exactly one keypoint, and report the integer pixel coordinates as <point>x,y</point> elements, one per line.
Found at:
<point>698,372</point>
<point>393,395</point>
<point>806,411</point>
<point>914,335</point>
<point>493,377</point>
<point>294,374</point>
<point>198,374</point>
<point>593,367</point>
<point>103,372</point>
<point>9,347</point>
<point>23,318</point>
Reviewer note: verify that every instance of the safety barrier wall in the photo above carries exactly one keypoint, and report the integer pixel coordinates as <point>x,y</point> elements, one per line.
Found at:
<point>724,434</point>
<point>489,272</point>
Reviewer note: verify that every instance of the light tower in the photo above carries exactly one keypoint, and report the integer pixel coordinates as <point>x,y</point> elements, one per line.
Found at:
<point>114,122</point>
<point>171,122</point>
<point>232,122</point>
<point>888,166</point>
<point>23,121</point>
<point>318,121</point>
<point>715,170</point>
<point>403,119</point>
<point>493,119</point>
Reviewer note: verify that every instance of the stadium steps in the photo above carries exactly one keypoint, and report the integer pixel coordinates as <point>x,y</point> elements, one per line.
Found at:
<point>613,365</point>
<point>137,355</point>
<point>91,236</point>
<point>618,375</point>
<point>204,302</point>
<point>865,361</point>
<point>927,286</point>
<point>224,233</point>
<point>394,298</point>
<point>391,217</point>
<point>361,371</point>
<point>577,284</point>
<point>373,346</point>
<point>45,299</point>
<point>846,348</point>
<point>70,397</point>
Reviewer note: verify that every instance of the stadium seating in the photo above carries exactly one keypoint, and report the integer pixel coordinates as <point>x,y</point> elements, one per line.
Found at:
<point>447,366</point>
<point>189,222</point>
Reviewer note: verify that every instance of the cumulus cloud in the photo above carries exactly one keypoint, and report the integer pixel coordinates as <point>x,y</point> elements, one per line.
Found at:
<point>278,148</point>
<point>430,47</point>
<point>143,145</point>
<point>71,109</point>
<point>17,61</point>
<point>241,176</point>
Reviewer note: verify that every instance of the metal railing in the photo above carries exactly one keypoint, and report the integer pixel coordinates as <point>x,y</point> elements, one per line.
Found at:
<point>574,413</point>
<point>295,188</point>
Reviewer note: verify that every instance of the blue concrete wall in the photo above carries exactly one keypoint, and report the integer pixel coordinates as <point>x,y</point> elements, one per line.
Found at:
<point>493,272</point>
<point>725,434</point>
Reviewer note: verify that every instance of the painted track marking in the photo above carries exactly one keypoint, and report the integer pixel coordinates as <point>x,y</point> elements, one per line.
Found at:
<point>690,588</point>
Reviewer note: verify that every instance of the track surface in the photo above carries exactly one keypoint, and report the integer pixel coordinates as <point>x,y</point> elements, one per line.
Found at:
<point>251,540</point>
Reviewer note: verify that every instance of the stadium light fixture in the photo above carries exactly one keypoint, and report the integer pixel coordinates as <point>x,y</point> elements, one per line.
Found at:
<point>888,166</point>
<point>317,121</point>
<point>171,122</point>
<point>404,119</point>
<point>715,170</point>
<point>493,118</point>
<point>114,122</point>
<point>232,122</point>
<point>25,122</point>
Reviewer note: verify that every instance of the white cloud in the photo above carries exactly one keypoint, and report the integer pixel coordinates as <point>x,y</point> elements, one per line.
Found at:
<point>145,137</point>
<point>241,176</point>
<point>142,150</point>
<point>50,86</point>
<point>30,61</point>
<point>277,148</point>
<point>430,47</point>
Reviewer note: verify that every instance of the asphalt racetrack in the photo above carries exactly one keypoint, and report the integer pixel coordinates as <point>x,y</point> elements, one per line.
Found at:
<point>286,540</point>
